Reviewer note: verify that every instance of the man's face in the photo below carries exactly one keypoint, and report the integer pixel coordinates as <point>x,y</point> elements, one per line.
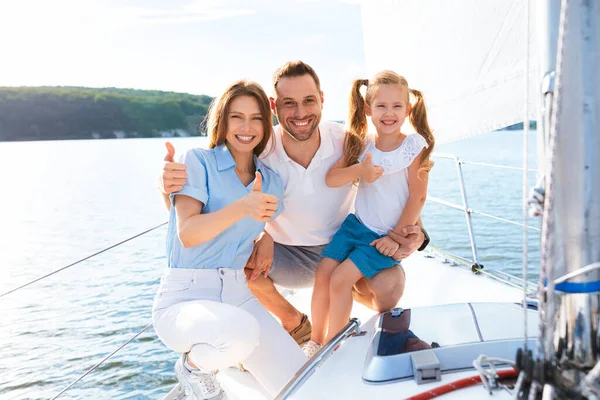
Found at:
<point>298,104</point>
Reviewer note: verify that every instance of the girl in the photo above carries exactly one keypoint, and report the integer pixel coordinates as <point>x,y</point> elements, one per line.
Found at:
<point>391,194</point>
<point>204,308</point>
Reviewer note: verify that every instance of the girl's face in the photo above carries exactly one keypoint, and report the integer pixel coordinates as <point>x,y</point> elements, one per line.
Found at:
<point>244,124</point>
<point>389,108</point>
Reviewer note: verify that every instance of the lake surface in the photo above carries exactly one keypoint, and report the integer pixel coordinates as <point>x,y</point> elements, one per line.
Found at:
<point>62,201</point>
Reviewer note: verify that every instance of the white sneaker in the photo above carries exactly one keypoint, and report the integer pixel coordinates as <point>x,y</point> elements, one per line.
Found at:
<point>198,385</point>
<point>310,348</point>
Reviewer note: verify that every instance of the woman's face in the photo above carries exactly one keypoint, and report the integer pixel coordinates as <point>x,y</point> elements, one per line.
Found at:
<point>244,124</point>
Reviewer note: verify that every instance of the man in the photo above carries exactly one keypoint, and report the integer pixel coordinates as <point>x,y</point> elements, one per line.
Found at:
<point>288,253</point>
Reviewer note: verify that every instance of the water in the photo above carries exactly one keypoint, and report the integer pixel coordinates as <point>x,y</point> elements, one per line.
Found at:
<point>62,201</point>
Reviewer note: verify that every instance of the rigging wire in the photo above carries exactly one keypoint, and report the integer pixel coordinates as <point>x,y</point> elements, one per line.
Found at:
<point>81,260</point>
<point>500,166</point>
<point>89,371</point>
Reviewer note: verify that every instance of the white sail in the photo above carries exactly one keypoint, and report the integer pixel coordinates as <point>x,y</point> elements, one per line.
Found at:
<point>467,56</point>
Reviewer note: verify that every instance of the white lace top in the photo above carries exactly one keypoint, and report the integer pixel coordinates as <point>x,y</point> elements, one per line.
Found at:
<point>379,204</point>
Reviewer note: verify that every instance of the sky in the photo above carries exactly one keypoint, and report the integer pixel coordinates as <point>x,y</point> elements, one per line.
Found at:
<point>191,46</point>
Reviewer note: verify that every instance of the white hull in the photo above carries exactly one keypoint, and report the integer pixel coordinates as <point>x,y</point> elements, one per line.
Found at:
<point>439,292</point>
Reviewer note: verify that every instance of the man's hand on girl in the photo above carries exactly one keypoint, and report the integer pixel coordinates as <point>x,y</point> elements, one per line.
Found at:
<point>386,246</point>
<point>410,239</point>
<point>370,173</point>
<point>258,205</point>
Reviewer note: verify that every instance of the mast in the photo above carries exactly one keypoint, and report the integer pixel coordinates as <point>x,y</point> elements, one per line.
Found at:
<point>570,140</point>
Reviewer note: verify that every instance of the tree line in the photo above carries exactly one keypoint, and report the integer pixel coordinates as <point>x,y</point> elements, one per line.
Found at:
<point>49,113</point>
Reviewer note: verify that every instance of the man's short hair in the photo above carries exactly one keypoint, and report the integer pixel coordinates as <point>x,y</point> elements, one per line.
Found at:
<point>292,69</point>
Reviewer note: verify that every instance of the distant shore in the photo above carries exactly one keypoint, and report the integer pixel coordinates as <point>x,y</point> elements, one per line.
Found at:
<point>55,113</point>
<point>59,113</point>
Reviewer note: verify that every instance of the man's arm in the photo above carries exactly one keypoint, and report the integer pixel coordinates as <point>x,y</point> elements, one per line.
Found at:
<point>425,235</point>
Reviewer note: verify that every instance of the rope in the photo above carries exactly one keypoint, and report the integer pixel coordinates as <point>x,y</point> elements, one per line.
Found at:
<point>525,180</point>
<point>79,261</point>
<point>489,378</point>
<point>101,361</point>
<point>460,384</point>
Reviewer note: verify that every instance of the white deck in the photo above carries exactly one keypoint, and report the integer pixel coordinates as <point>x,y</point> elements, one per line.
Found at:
<point>343,371</point>
<point>429,283</point>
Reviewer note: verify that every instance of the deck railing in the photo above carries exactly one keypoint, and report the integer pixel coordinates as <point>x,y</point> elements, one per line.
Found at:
<point>476,265</point>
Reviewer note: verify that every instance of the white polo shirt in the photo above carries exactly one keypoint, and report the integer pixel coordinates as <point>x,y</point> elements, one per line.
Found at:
<point>312,212</point>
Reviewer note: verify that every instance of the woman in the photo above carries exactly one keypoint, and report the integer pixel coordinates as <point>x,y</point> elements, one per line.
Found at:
<point>204,308</point>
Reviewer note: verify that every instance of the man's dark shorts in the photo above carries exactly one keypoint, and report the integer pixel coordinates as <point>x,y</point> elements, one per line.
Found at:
<point>294,266</point>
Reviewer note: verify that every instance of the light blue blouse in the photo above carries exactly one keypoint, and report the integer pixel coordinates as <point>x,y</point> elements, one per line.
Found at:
<point>211,179</point>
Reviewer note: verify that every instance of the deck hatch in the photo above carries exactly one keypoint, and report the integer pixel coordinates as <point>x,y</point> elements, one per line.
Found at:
<point>396,352</point>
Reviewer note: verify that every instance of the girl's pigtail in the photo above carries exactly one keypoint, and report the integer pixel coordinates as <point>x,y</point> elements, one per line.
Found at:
<point>418,119</point>
<point>357,124</point>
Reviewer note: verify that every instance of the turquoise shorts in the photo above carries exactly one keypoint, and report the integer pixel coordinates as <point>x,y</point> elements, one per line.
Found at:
<point>353,241</point>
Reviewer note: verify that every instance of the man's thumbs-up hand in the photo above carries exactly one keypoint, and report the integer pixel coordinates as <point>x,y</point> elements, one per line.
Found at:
<point>173,176</point>
<point>170,157</point>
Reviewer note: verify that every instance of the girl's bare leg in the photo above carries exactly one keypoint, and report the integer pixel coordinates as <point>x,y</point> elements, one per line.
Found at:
<point>383,291</point>
<point>320,299</point>
<point>341,282</point>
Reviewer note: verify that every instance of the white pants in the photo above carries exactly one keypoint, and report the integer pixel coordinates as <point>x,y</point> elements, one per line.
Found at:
<point>212,314</point>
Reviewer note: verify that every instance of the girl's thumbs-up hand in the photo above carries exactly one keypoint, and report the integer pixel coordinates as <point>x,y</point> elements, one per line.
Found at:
<point>258,205</point>
<point>370,173</point>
